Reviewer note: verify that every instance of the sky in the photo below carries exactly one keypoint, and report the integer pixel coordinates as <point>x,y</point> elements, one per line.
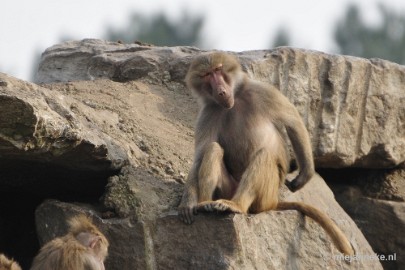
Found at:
<point>28,27</point>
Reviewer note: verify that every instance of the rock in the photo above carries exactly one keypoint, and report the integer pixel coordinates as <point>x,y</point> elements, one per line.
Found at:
<point>379,219</point>
<point>38,125</point>
<point>126,238</point>
<point>354,108</point>
<point>382,184</point>
<point>92,59</point>
<point>270,240</point>
<point>375,200</point>
<point>139,194</point>
<point>124,109</point>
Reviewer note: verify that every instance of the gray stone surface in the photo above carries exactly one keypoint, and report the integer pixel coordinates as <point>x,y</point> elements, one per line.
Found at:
<point>39,125</point>
<point>269,240</point>
<point>354,108</point>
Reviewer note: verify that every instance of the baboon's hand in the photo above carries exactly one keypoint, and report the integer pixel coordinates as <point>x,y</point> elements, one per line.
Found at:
<point>187,212</point>
<point>292,185</point>
<point>298,182</point>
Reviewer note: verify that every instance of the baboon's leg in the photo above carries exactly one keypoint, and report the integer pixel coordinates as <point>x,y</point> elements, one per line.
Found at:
<point>257,190</point>
<point>213,178</point>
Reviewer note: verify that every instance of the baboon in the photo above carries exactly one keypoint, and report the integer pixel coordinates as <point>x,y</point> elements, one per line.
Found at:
<point>84,247</point>
<point>240,157</point>
<point>8,264</point>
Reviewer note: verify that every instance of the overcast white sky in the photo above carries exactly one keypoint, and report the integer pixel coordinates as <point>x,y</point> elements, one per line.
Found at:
<point>29,26</point>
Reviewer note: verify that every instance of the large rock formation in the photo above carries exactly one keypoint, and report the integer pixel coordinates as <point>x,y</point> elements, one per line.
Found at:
<point>115,121</point>
<point>149,235</point>
<point>40,125</point>
<point>353,107</point>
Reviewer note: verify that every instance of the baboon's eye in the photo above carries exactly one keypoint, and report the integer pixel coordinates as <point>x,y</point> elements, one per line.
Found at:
<point>218,68</point>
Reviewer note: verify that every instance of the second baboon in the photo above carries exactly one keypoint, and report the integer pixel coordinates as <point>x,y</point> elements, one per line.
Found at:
<point>84,247</point>
<point>8,264</point>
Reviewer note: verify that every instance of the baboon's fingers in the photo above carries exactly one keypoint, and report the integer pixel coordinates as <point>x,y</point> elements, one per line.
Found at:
<point>294,185</point>
<point>209,207</point>
<point>205,207</point>
<point>186,214</point>
<point>227,206</point>
<point>298,182</point>
<point>290,185</point>
<point>219,206</point>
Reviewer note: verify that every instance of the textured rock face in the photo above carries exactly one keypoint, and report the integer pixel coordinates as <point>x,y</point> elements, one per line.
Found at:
<point>271,240</point>
<point>375,201</point>
<point>372,214</point>
<point>353,107</point>
<point>38,125</point>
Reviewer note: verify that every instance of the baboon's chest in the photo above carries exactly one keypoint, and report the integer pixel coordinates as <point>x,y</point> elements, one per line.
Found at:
<point>241,137</point>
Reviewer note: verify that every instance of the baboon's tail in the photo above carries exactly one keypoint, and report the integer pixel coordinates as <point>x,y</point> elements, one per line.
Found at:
<point>338,237</point>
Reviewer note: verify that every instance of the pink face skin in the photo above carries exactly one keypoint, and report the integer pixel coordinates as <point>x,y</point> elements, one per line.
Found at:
<point>222,92</point>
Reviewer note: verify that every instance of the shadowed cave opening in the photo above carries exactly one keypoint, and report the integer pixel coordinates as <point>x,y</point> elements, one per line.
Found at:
<point>24,186</point>
<point>369,183</point>
<point>373,183</point>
